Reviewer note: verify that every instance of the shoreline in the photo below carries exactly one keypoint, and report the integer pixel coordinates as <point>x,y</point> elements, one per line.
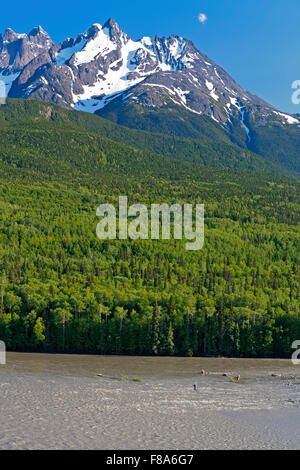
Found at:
<point>95,354</point>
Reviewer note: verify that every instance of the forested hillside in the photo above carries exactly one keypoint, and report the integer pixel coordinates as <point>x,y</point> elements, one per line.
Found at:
<point>211,147</point>
<point>277,145</point>
<point>62,289</point>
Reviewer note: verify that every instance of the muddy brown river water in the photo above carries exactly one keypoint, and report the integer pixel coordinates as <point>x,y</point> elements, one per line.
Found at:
<point>97,402</point>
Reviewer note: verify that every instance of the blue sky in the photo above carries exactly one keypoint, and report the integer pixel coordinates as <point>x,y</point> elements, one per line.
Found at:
<point>256,41</point>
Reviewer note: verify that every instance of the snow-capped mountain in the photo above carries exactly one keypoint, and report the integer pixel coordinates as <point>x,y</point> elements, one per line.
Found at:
<point>104,65</point>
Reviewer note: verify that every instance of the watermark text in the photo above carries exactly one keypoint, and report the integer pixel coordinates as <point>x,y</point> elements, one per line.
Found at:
<point>162,222</point>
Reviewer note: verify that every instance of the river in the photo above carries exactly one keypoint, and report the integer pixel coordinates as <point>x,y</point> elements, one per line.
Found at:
<point>98,402</point>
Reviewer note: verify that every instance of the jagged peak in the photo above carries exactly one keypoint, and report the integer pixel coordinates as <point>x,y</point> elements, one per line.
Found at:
<point>9,30</point>
<point>38,30</point>
<point>115,31</point>
<point>97,26</point>
<point>111,23</point>
<point>92,31</point>
<point>10,35</point>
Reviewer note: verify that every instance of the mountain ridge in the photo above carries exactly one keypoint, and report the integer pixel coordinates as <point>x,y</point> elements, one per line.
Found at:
<point>89,71</point>
<point>214,149</point>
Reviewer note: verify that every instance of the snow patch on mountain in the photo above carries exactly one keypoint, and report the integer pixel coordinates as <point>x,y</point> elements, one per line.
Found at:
<point>100,45</point>
<point>209,85</point>
<point>289,119</point>
<point>146,41</point>
<point>214,95</point>
<point>117,78</point>
<point>211,88</point>
<point>91,105</point>
<point>66,53</point>
<point>177,47</point>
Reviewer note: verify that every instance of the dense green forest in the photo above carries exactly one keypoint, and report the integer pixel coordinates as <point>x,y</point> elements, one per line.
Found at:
<point>64,290</point>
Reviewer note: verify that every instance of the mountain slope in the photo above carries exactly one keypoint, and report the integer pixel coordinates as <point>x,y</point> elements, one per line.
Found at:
<point>277,144</point>
<point>213,149</point>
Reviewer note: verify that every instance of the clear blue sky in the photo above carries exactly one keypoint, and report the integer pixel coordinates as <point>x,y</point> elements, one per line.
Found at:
<point>256,41</point>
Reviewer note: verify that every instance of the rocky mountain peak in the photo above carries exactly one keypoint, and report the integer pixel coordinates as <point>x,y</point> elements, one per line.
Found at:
<point>92,31</point>
<point>115,32</point>
<point>113,26</point>
<point>38,30</point>
<point>11,36</point>
<point>17,50</point>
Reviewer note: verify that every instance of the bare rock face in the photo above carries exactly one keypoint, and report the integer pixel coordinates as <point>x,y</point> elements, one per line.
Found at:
<point>104,67</point>
<point>17,50</point>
